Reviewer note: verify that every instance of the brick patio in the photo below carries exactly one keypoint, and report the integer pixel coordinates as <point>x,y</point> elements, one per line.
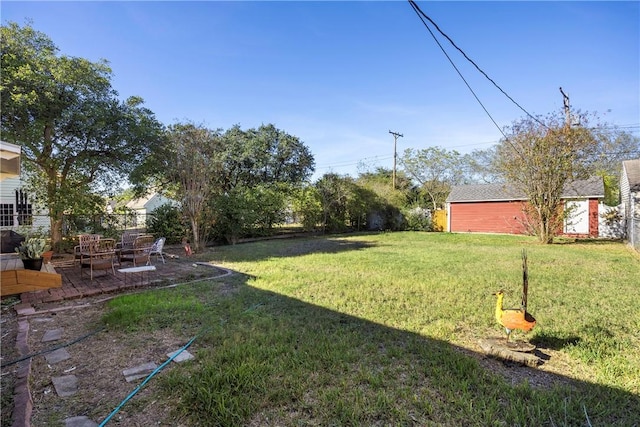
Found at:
<point>75,286</point>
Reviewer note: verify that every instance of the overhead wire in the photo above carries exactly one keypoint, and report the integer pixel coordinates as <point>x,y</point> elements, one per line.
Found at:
<point>348,163</point>
<point>630,128</point>
<point>421,14</point>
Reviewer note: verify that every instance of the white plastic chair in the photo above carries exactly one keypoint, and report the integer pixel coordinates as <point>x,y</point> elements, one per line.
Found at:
<point>156,250</point>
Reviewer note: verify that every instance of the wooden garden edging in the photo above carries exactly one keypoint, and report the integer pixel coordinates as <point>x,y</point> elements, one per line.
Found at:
<point>18,281</point>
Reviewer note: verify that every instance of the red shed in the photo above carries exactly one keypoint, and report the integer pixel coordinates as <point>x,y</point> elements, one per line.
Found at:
<point>498,208</point>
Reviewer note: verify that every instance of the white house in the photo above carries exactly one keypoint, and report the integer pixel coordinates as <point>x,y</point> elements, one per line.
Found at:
<point>146,206</point>
<point>17,207</point>
<point>630,198</point>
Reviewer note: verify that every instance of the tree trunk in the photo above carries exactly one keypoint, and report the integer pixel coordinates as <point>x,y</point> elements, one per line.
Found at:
<point>196,235</point>
<point>56,233</point>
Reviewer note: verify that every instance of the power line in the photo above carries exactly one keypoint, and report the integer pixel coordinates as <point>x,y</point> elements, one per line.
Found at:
<point>383,157</point>
<point>347,163</point>
<point>420,14</point>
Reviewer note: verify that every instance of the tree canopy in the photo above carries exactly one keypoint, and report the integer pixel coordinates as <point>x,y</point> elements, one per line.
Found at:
<point>228,181</point>
<point>540,157</point>
<point>435,170</point>
<point>264,156</point>
<point>75,132</point>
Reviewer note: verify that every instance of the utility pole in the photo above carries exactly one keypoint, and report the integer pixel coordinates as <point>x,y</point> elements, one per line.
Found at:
<point>395,154</point>
<point>567,109</point>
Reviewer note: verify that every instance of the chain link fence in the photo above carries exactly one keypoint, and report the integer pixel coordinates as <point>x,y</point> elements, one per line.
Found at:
<point>633,227</point>
<point>107,225</point>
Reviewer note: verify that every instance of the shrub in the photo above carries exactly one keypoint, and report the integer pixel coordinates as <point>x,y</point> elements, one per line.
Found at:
<point>166,221</point>
<point>418,219</point>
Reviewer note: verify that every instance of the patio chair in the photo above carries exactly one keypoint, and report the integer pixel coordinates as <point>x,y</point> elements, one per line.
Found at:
<point>140,252</point>
<point>100,256</point>
<point>127,239</point>
<point>85,243</point>
<point>156,250</point>
<point>125,245</point>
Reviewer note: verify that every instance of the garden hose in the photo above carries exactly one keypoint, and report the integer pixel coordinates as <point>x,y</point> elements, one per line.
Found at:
<point>159,368</point>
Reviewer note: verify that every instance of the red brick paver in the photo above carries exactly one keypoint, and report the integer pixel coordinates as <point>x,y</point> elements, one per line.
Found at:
<point>76,285</point>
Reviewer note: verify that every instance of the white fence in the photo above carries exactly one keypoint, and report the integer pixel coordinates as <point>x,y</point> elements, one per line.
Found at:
<point>611,222</point>
<point>614,224</point>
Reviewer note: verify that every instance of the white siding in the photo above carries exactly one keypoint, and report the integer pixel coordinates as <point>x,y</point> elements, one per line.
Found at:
<point>144,207</point>
<point>625,193</point>
<point>8,189</point>
<point>634,220</point>
<point>630,202</point>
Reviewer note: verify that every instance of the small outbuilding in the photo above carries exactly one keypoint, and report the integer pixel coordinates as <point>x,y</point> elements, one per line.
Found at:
<point>500,208</point>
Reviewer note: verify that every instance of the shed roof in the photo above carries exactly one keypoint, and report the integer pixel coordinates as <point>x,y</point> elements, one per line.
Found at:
<point>589,188</point>
<point>632,167</point>
<point>484,192</point>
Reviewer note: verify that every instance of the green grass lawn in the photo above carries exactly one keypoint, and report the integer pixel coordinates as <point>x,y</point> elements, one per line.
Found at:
<point>382,329</point>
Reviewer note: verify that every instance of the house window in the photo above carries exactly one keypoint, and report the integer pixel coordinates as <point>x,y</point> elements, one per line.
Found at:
<point>6,215</point>
<point>24,210</point>
<point>25,216</point>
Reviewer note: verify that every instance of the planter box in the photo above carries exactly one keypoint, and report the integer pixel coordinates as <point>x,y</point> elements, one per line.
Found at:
<point>18,281</point>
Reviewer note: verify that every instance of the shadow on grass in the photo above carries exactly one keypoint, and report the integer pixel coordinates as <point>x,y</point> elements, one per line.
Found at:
<point>293,248</point>
<point>276,360</point>
<point>585,241</point>
<point>269,359</point>
<point>553,342</point>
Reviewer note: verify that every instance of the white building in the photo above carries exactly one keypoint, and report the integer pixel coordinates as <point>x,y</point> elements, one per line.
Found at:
<point>146,205</point>
<point>630,198</point>
<point>18,210</point>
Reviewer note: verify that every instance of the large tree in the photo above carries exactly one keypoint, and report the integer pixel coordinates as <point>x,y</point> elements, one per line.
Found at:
<point>264,156</point>
<point>436,170</point>
<point>77,136</point>
<point>541,157</point>
<point>230,182</point>
<point>190,160</point>
<point>261,166</point>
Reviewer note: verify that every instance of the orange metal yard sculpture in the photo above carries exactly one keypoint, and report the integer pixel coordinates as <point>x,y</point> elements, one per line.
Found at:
<point>516,318</point>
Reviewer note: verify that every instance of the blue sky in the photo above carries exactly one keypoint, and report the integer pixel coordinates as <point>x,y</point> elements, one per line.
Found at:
<point>341,75</point>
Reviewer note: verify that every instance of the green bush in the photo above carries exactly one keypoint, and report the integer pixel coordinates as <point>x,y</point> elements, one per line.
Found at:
<point>418,219</point>
<point>166,221</point>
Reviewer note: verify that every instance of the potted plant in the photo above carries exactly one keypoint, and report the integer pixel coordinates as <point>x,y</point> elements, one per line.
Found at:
<point>31,251</point>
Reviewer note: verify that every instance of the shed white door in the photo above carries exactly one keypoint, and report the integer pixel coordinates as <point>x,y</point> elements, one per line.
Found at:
<point>578,220</point>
